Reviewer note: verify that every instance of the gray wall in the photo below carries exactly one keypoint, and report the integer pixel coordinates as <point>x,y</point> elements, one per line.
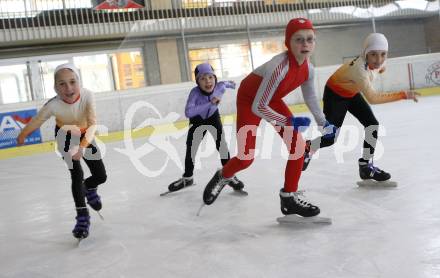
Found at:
<point>338,43</point>
<point>432,33</point>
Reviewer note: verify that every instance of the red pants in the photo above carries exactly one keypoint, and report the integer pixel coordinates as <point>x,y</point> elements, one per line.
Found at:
<point>247,124</point>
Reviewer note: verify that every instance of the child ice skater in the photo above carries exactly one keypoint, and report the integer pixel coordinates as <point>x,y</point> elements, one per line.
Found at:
<point>74,112</point>
<point>260,96</point>
<point>202,111</point>
<point>345,91</point>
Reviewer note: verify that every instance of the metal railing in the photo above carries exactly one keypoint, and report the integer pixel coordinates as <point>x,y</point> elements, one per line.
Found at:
<point>59,19</point>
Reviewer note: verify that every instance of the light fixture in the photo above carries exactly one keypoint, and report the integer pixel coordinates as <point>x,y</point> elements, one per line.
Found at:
<point>343,10</point>
<point>315,11</point>
<point>362,13</point>
<point>387,9</point>
<point>432,6</point>
<point>412,4</point>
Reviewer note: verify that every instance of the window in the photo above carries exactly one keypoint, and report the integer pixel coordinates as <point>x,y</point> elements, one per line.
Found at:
<point>100,72</point>
<point>203,55</point>
<point>192,4</point>
<point>14,84</point>
<point>128,69</point>
<point>12,8</point>
<point>282,1</point>
<point>235,60</point>
<point>228,60</point>
<point>95,72</point>
<point>263,51</point>
<point>21,8</point>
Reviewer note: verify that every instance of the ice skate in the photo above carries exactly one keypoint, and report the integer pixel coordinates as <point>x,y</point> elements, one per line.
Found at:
<point>214,187</point>
<point>179,184</point>
<point>373,176</point>
<point>81,229</point>
<point>93,199</point>
<point>292,204</point>
<point>238,186</point>
<point>368,171</point>
<point>299,211</point>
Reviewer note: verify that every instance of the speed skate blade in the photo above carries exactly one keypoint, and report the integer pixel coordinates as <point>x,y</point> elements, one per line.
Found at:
<point>168,192</point>
<point>100,215</point>
<point>294,219</point>
<point>200,209</point>
<point>373,183</point>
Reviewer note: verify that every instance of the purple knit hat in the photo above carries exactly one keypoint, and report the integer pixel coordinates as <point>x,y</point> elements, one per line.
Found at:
<point>203,69</point>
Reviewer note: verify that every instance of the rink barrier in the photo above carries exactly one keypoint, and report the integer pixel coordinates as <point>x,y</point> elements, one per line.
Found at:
<point>50,146</point>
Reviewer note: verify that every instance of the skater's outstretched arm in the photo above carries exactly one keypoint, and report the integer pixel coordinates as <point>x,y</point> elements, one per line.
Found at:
<point>221,87</point>
<point>43,115</point>
<point>375,97</point>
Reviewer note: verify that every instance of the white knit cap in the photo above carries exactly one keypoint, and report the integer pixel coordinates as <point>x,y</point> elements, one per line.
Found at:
<point>67,66</point>
<point>375,41</point>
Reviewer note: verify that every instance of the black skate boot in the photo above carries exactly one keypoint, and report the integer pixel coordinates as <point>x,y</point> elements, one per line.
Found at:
<point>307,155</point>
<point>292,204</point>
<point>81,229</point>
<point>93,199</point>
<point>368,171</point>
<point>236,184</point>
<point>214,187</point>
<point>180,183</point>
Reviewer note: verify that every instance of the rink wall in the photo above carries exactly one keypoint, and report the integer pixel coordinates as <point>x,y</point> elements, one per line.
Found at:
<point>155,106</point>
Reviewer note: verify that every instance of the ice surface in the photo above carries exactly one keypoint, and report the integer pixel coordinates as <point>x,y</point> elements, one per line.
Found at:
<point>384,232</point>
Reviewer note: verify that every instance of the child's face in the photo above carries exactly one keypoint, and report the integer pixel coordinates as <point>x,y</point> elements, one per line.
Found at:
<point>67,85</point>
<point>302,44</point>
<point>376,58</point>
<point>207,82</point>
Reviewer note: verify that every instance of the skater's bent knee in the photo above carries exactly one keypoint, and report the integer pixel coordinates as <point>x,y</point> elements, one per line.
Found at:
<point>101,178</point>
<point>245,163</point>
<point>372,123</point>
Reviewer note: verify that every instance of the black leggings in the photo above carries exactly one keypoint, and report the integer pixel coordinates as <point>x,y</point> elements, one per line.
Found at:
<point>196,133</point>
<point>335,109</point>
<point>93,159</point>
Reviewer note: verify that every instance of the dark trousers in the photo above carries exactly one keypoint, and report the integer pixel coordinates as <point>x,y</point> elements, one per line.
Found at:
<point>335,109</point>
<point>93,159</point>
<point>196,133</point>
